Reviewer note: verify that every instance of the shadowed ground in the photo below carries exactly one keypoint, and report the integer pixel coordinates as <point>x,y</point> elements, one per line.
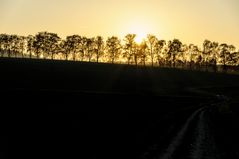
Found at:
<point>74,110</point>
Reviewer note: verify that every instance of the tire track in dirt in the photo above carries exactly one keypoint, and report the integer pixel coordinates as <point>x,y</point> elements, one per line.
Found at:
<point>196,138</point>
<point>204,145</point>
<point>180,136</point>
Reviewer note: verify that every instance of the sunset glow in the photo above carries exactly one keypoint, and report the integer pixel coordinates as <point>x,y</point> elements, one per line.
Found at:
<point>140,31</point>
<point>191,21</point>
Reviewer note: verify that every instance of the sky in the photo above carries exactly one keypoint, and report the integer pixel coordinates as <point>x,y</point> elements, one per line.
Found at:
<point>191,21</point>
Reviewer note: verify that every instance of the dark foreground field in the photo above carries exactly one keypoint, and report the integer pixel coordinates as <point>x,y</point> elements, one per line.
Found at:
<point>56,109</point>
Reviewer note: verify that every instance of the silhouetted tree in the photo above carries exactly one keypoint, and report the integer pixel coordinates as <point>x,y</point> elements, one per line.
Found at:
<point>14,43</point>
<point>83,47</point>
<point>224,53</point>
<point>159,50</point>
<point>181,55</point>
<point>193,52</point>
<point>129,46</point>
<point>1,46</point>
<point>214,55</point>
<point>8,44</point>
<point>53,44</point>
<point>113,47</point>
<point>49,44</point>
<point>66,48</point>
<point>4,43</point>
<point>143,51</point>
<point>232,59</point>
<point>46,43</point>
<point>152,41</point>
<point>30,41</point>
<point>99,50</point>
<point>174,48</point>
<point>90,48</point>
<point>38,43</point>
<point>22,44</point>
<point>62,51</point>
<point>136,53</point>
<point>8,41</point>
<point>207,45</point>
<point>235,58</point>
<point>72,45</point>
<point>199,60</point>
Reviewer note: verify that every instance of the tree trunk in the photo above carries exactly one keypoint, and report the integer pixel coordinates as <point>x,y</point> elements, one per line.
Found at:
<point>136,61</point>
<point>90,57</point>
<point>224,65</point>
<point>215,68</point>
<point>159,62</point>
<point>151,54</point>
<point>37,55</point>
<point>9,52</point>
<point>174,61</point>
<point>113,58</point>
<point>97,58</point>
<point>82,56</point>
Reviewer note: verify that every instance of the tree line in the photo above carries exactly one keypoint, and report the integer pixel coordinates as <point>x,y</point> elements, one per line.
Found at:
<point>151,51</point>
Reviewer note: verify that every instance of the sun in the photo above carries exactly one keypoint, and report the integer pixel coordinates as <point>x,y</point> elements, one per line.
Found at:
<point>140,28</point>
<point>140,36</point>
<point>141,33</point>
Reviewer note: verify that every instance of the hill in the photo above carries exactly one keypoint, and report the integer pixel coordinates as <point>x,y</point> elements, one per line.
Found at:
<point>92,110</point>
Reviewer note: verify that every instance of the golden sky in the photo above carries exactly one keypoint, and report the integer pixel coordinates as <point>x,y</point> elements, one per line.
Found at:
<point>191,21</point>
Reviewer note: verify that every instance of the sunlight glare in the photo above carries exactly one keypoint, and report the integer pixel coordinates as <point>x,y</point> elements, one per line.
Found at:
<point>141,29</point>
<point>140,36</point>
